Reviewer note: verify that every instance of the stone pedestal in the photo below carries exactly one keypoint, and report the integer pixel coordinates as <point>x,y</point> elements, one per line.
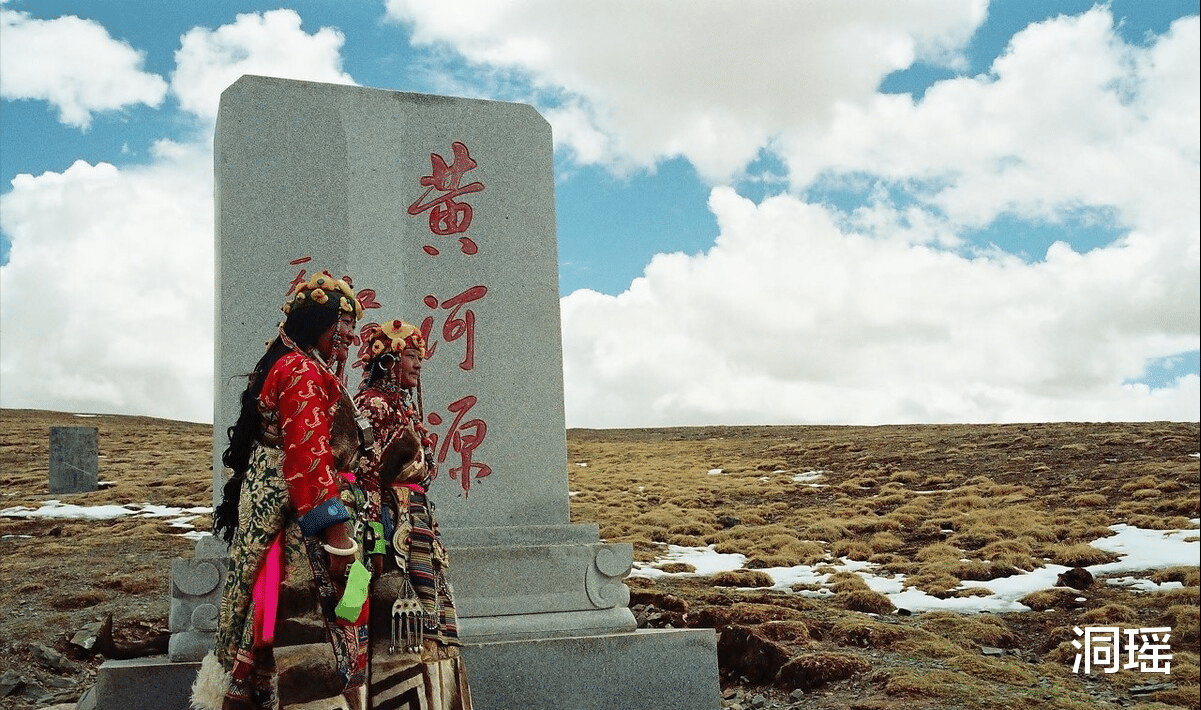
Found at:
<point>74,464</point>
<point>662,669</point>
<point>538,582</point>
<point>544,617</point>
<point>196,586</point>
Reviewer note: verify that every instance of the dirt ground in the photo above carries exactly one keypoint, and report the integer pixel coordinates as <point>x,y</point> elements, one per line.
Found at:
<point>1003,498</point>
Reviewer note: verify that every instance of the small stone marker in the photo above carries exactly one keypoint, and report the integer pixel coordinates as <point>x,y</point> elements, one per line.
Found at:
<point>73,455</point>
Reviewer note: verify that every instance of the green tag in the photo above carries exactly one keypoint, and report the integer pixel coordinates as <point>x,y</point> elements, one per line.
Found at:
<point>355,596</point>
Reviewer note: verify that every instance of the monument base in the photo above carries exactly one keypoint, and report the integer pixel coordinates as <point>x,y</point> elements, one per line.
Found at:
<point>659,669</point>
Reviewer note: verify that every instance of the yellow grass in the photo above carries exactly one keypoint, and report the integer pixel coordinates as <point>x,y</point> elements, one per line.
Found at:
<point>940,504</point>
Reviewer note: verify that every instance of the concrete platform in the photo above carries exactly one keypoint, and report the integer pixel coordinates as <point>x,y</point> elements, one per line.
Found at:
<point>152,683</point>
<point>660,669</point>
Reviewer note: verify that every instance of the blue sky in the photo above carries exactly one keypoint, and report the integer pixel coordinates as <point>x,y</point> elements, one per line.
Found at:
<point>888,212</point>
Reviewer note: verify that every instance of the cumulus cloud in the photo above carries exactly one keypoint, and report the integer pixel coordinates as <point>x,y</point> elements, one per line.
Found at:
<point>1069,117</point>
<point>108,292</point>
<point>268,44</point>
<point>709,80</point>
<point>804,313</point>
<point>75,65</point>
<point>788,318</point>
<point>107,299</point>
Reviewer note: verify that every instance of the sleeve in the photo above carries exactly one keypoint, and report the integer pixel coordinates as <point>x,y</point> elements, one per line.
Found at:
<point>296,389</point>
<point>379,414</point>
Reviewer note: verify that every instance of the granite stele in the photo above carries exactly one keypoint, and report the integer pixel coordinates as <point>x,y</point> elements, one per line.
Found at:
<point>442,211</point>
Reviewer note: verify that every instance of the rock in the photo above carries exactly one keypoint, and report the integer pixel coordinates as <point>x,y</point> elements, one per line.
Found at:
<point>991,651</point>
<point>742,650</point>
<point>1154,687</point>
<point>11,682</point>
<point>59,682</point>
<point>86,636</point>
<point>1076,578</point>
<point>728,521</point>
<point>51,658</point>
<point>813,670</point>
<point>656,599</point>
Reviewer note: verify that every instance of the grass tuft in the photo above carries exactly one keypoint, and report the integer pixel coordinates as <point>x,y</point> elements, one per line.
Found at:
<point>742,578</point>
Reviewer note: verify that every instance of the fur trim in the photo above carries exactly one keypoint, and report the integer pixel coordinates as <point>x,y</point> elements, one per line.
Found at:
<point>212,683</point>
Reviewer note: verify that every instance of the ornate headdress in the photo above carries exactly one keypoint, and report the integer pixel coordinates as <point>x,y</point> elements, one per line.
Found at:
<point>394,336</point>
<point>325,291</point>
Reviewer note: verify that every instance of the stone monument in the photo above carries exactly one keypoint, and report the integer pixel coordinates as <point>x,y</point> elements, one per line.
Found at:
<point>442,211</point>
<point>74,453</point>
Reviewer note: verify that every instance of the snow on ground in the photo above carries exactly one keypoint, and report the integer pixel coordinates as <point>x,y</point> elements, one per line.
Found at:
<point>1140,551</point>
<point>179,517</point>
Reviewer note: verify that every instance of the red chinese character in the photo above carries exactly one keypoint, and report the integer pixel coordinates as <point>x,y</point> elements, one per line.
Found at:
<point>454,327</point>
<point>463,437</point>
<point>446,215</point>
<point>367,298</point>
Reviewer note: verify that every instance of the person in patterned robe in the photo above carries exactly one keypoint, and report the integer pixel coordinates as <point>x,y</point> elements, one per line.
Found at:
<point>415,660</point>
<point>292,513</point>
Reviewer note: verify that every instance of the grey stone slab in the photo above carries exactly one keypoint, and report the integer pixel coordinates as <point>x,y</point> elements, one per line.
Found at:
<point>74,454</point>
<point>497,581</point>
<point>524,627</point>
<point>661,669</point>
<point>154,683</point>
<point>573,534</point>
<point>334,174</point>
<point>210,547</point>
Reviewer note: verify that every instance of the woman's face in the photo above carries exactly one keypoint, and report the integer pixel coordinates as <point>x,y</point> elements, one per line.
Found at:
<point>408,368</point>
<point>335,341</point>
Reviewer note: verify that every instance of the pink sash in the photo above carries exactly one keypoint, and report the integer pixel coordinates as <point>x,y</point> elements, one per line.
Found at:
<point>266,595</point>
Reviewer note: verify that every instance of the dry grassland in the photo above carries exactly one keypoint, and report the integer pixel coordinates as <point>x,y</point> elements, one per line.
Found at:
<point>938,504</point>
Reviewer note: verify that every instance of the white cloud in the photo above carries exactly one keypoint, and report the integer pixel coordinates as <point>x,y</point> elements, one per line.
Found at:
<point>1070,116</point>
<point>106,303</point>
<point>710,80</point>
<point>267,44</point>
<point>75,65</point>
<point>803,314</point>
<point>108,292</point>
<point>798,313</point>
<point>790,319</point>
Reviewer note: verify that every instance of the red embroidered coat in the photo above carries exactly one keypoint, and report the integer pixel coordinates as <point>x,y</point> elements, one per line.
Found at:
<point>303,395</point>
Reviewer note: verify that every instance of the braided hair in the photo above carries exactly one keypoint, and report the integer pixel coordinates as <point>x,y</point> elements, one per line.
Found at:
<point>304,327</point>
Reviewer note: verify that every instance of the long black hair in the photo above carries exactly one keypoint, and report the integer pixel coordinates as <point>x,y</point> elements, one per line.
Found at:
<point>304,327</point>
